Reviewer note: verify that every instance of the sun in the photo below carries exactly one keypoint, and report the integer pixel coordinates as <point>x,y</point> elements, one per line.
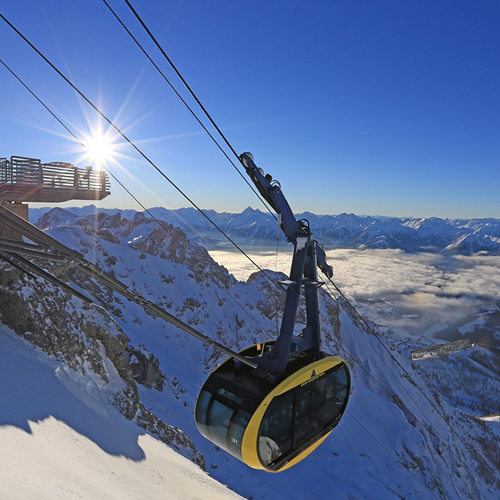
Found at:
<point>100,148</point>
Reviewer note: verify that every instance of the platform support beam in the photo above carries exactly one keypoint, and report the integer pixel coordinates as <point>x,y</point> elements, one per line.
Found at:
<point>20,209</point>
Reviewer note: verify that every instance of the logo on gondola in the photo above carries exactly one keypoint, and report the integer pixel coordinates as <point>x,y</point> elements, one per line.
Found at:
<point>314,376</point>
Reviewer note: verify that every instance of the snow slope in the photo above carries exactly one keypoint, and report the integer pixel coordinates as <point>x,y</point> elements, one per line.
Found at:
<point>60,439</point>
<point>396,441</point>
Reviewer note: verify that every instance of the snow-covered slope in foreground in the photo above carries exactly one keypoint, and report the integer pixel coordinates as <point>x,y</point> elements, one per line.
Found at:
<point>60,439</point>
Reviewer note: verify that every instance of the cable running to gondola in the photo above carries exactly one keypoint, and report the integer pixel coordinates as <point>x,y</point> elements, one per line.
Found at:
<point>143,24</point>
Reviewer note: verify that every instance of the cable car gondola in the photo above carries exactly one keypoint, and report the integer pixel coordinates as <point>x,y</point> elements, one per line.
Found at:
<point>272,423</point>
<point>273,411</point>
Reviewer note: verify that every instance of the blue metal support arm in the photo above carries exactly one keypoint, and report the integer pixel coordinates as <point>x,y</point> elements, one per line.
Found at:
<point>303,276</point>
<point>271,191</point>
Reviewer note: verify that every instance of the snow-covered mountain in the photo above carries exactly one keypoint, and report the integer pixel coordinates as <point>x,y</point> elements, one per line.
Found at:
<point>253,227</point>
<point>400,437</point>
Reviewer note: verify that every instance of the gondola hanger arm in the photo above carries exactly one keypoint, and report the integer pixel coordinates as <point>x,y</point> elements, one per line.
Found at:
<point>271,190</point>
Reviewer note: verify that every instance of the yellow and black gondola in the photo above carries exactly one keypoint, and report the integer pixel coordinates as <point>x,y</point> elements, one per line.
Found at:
<point>269,422</point>
<point>275,404</point>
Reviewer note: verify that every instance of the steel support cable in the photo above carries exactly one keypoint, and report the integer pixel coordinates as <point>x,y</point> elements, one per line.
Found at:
<point>10,260</point>
<point>138,150</point>
<point>24,264</point>
<point>143,24</point>
<point>13,246</point>
<point>340,346</point>
<point>370,375</point>
<point>379,355</point>
<point>190,90</point>
<point>4,247</point>
<point>88,101</point>
<point>356,362</point>
<point>184,101</point>
<point>390,394</point>
<point>412,381</point>
<point>372,331</point>
<point>124,187</point>
<point>122,289</point>
<point>191,111</point>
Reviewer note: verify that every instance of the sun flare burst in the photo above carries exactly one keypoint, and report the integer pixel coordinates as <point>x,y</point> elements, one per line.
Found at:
<point>100,148</point>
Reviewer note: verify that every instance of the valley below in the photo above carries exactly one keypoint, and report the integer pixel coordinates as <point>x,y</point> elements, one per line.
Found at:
<point>444,308</point>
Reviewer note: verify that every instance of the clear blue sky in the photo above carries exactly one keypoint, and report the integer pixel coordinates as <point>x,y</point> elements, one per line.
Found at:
<point>373,107</point>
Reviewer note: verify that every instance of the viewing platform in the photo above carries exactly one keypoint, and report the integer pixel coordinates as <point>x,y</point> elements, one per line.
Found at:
<point>30,180</point>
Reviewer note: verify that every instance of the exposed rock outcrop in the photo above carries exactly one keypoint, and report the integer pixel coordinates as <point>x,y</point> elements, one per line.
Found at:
<point>145,367</point>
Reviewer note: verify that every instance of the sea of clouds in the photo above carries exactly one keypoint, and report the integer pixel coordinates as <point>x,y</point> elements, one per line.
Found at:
<point>416,294</point>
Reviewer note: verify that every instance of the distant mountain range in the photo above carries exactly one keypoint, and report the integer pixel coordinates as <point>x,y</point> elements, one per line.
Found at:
<point>256,228</point>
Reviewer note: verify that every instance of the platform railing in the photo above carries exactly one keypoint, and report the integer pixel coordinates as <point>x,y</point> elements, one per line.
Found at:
<point>31,172</point>
<point>5,171</point>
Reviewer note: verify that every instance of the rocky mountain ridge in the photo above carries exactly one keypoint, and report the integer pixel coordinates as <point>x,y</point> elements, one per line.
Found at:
<point>253,227</point>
